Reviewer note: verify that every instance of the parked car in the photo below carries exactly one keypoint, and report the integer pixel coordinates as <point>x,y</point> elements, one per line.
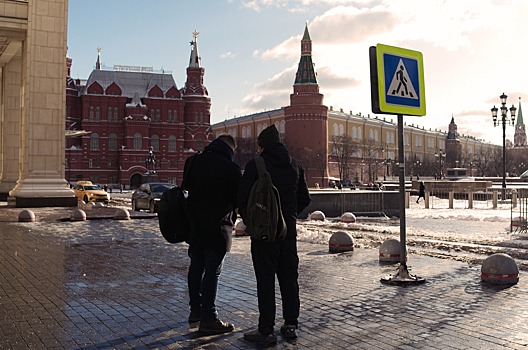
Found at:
<point>148,195</point>
<point>88,192</point>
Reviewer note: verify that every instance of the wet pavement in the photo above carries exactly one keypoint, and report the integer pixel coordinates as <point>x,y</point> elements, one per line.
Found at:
<point>116,284</point>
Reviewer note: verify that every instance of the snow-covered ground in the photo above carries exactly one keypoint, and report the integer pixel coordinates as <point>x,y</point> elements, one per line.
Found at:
<point>462,234</point>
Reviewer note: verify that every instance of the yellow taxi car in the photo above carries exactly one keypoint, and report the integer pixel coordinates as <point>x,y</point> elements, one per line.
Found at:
<point>88,192</point>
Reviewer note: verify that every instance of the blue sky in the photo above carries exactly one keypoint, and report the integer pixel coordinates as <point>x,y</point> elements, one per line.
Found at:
<point>473,50</point>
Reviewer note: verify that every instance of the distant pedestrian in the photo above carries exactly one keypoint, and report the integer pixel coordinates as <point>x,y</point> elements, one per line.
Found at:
<point>280,257</point>
<point>421,191</point>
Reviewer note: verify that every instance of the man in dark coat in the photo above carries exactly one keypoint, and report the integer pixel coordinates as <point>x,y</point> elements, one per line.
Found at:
<point>279,257</point>
<point>212,180</point>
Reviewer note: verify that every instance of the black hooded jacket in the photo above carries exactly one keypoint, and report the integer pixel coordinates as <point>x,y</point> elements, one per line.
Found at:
<point>286,175</point>
<point>212,181</point>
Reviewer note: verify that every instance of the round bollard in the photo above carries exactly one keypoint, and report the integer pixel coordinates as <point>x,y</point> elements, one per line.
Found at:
<point>340,242</point>
<point>26,216</point>
<point>317,216</point>
<point>240,229</point>
<point>390,250</point>
<point>121,214</point>
<point>78,215</point>
<point>99,204</point>
<point>518,221</point>
<point>500,269</point>
<point>348,218</point>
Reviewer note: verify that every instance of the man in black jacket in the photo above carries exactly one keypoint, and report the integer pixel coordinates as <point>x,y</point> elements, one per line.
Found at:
<point>212,182</point>
<point>279,257</point>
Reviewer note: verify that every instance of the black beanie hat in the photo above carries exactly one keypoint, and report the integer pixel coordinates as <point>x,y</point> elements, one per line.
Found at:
<point>267,136</point>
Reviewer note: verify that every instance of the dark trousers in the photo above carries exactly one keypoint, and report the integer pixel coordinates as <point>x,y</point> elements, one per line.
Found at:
<point>278,258</point>
<point>204,271</point>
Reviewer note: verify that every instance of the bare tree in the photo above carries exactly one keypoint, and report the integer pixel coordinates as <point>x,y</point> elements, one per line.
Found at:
<point>343,150</point>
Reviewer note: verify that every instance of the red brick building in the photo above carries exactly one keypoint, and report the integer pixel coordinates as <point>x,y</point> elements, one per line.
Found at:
<point>116,116</point>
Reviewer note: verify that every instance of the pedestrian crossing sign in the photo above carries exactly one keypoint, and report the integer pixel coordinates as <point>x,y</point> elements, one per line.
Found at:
<point>397,81</point>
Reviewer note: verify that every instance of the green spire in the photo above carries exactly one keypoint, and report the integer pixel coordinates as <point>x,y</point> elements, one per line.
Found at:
<point>306,35</point>
<point>519,115</point>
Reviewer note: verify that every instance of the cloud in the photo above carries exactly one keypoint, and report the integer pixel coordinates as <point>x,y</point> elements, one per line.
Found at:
<point>228,54</point>
<point>351,25</point>
<point>272,93</point>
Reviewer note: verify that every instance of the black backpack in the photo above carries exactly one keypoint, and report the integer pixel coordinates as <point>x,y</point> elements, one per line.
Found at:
<point>174,216</point>
<point>265,221</point>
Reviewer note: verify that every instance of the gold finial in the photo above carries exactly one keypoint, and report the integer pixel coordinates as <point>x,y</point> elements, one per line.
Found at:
<point>195,34</point>
<point>98,50</point>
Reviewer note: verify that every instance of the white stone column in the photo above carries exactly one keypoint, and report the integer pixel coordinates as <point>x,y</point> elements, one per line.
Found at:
<point>10,123</point>
<point>43,105</point>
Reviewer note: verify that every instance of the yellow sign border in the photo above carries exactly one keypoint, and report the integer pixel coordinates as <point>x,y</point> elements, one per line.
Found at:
<point>391,108</point>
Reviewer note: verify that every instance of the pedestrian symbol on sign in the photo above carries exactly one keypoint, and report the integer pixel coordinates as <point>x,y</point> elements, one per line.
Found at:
<point>401,85</point>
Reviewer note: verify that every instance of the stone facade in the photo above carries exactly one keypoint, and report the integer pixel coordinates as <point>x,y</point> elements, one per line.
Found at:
<point>33,102</point>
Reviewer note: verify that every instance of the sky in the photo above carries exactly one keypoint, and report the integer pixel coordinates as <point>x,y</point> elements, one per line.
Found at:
<point>473,50</point>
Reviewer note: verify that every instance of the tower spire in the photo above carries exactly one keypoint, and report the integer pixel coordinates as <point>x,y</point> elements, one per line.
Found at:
<point>195,59</point>
<point>306,72</point>
<point>98,63</point>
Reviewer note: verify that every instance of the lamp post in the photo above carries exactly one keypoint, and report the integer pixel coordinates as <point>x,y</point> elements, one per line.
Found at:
<point>504,120</point>
<point>440,155</point>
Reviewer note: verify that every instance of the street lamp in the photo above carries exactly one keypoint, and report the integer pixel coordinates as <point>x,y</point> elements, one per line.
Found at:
<point>504,113</point>
<point>440,155</point>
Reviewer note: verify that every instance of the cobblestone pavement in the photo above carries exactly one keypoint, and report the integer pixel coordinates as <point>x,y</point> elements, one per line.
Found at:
<point>115,284</point>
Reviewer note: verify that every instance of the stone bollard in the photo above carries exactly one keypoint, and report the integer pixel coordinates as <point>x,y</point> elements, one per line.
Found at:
<point>470,200</point>
<point>78,215</point>
<point>240,229</point>
<point>500,269</point>
<point>340,242</point>
<point>390,250</point>
<point>495,199</point>
<point>451,199</point>
<point>121,214</point>
<point>348,218</point>
<point>317,216</point>
<point>26,215</point>
<point>518,222</point>
<point>514,198</point>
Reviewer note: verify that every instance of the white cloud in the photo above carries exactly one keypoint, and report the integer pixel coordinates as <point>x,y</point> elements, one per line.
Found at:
<point>228,54</point>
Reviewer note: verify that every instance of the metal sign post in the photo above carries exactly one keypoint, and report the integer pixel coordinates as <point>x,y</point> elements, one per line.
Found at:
<point>397,87</point>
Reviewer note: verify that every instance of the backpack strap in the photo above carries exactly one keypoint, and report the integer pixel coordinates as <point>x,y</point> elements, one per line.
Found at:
<point>261,166</point>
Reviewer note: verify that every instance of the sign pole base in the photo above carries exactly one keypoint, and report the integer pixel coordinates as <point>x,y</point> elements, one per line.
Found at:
<point>402,278</point>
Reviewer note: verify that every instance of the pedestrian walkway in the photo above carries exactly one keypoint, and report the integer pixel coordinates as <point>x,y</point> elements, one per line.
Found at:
<point>116,284</point>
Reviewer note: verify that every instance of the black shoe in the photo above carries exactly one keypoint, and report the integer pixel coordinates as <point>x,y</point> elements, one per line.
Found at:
<point>288,331</point>
<point>215,327</point>
<point>259,338</point>
<point>194,317</point>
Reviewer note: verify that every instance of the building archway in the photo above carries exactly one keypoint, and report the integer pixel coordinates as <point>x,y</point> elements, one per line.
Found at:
<point>135,181</point>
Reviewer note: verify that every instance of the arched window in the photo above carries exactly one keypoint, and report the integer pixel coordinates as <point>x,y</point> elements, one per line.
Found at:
<point>116,113</point>
<point>359,134</point>
<point>354,132</point>
<point>94,141</point>
<point>375,135</point>
<point>97,113</point>
<point>112,142</point>
<point>154,142</point>
<point>172,143</point>
<point>371,134</point>
<point>138,141</point>
<point>335,130</point>
<point>341,130</point>
<point>91,113</point>
<point>109,116</point>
